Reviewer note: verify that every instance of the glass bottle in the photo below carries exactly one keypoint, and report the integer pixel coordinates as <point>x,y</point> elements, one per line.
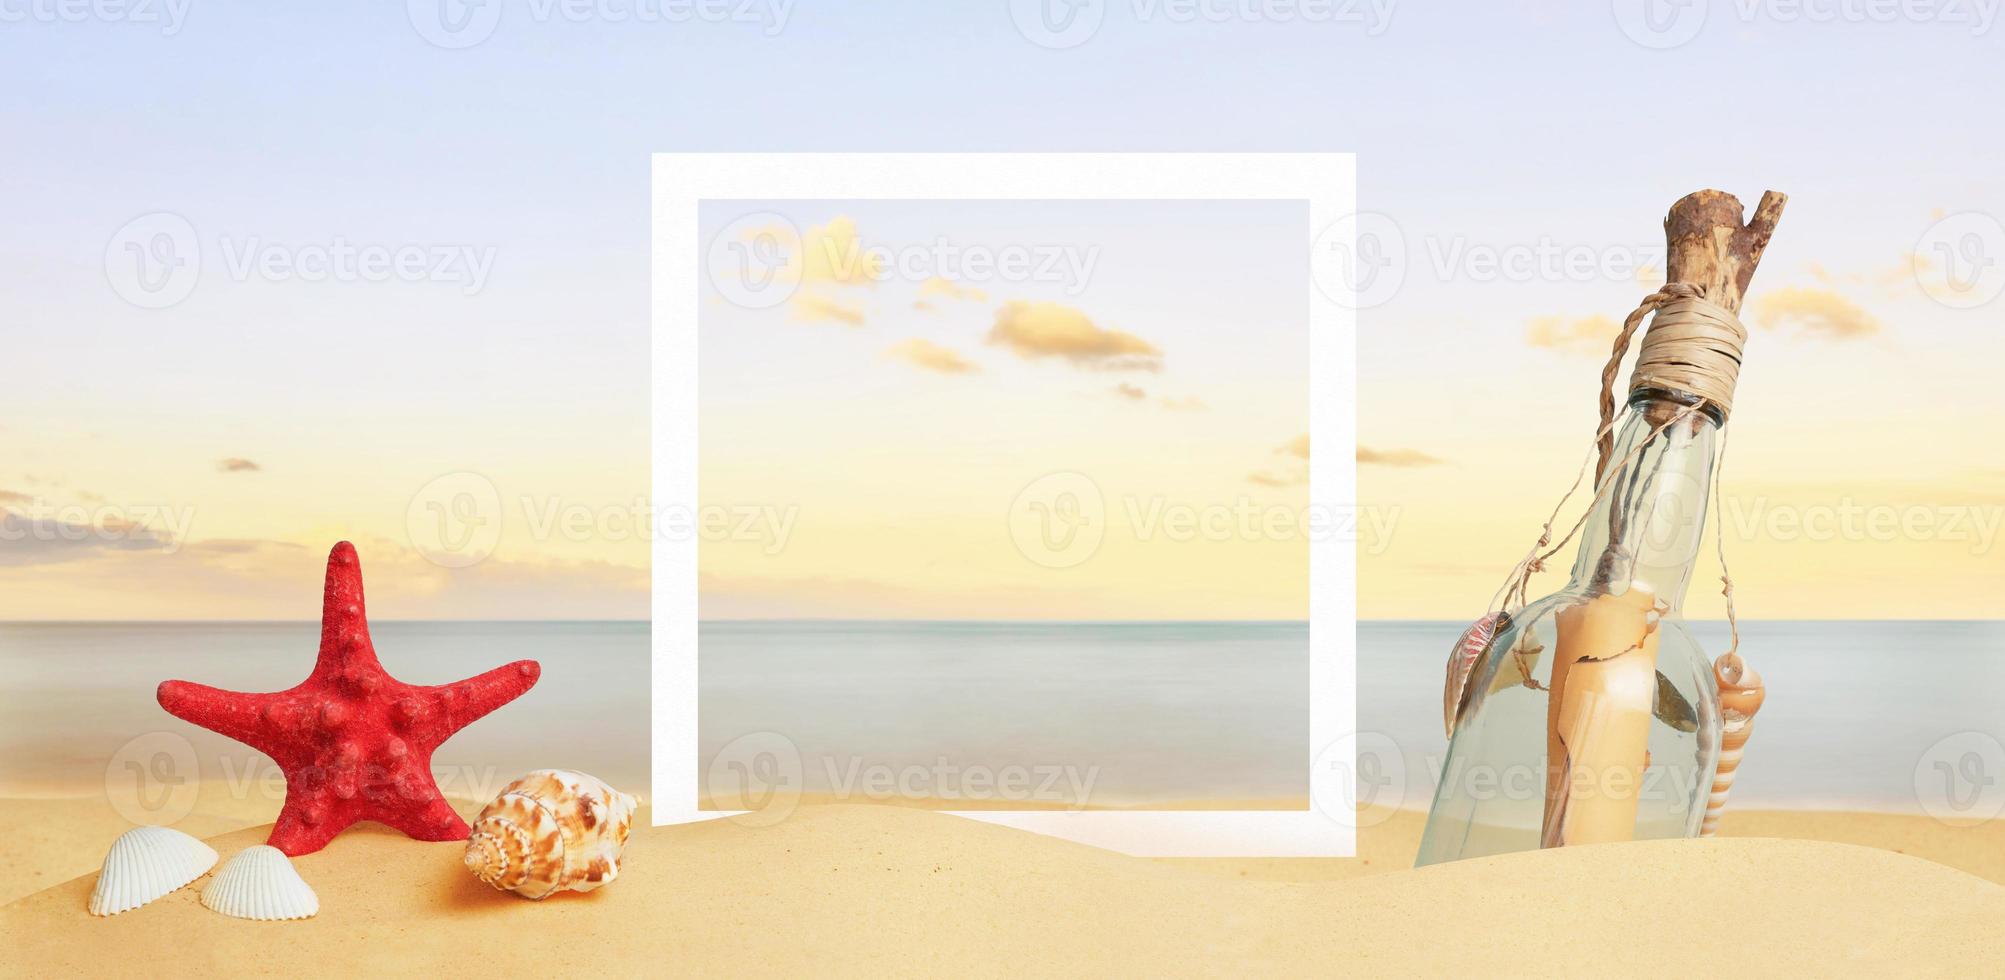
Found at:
<point>1637,550</point>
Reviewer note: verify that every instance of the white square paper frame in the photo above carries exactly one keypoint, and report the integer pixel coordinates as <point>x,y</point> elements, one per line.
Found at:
<point>1327,182</point>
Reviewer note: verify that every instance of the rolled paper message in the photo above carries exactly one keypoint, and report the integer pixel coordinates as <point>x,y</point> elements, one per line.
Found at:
<point>1741,694</point>
<point>1604,691</point>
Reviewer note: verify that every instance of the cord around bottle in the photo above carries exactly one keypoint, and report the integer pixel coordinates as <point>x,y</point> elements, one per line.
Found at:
<point>1692,346</point>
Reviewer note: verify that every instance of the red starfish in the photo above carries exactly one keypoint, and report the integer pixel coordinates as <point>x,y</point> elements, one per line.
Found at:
<point>354,742</point>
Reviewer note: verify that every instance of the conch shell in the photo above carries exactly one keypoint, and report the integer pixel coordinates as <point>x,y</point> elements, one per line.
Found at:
<point>1741,694</point>
<point>549,831</point>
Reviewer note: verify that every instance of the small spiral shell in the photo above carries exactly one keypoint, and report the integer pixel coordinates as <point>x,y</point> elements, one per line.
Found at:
<point>1741,694</point>
<point>549,831</point>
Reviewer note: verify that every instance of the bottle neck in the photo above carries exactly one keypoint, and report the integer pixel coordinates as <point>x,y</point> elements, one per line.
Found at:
<point>1650,518</point>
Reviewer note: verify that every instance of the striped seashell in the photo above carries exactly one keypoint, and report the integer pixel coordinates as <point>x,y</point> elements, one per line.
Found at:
<point>260,883</point>
<point>552,830</point>
<point>145,863</point>
<point>1741,694</point>
<point>1462,660</point>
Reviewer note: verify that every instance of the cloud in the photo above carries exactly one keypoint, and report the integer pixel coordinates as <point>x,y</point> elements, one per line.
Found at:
<point>14,497</point>
<point>920,304</point>
<point>52,541</point>
<point>1814,312</point>
<point>808,307</point>
<point>1395,457</point>
<point>240,546</point>
<point>1585,335</point>
<point>1037,330</point>
<point>942,286</point>
<point>261,579</point>
<point>1265,479</point>
<point>1911,268</point>
<point>824,258</point>
<point>1297,448</point>
<point>1139,393</point>
<point>931,356</point>
<point>237,464</point>
<point>832,253</point>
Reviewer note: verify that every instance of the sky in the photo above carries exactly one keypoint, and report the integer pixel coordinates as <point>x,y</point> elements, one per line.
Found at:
<point>904,425</point>
<point>421,291</point>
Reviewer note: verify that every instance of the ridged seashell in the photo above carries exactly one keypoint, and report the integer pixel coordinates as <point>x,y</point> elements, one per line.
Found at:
<point>552,830</point>
<point>260,883</point>
<point>1462,660</point>
<point>145,863</point>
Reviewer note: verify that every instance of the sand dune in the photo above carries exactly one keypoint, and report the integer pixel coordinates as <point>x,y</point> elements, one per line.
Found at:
<point>855,890</point>
<point>64,838</point>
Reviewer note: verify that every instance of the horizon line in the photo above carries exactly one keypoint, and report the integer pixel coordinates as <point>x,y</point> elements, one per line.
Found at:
<point>865,619</point>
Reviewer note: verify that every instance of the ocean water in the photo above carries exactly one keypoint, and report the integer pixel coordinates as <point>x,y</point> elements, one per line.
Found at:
<point>1119,714</point>
<point>76,699</point>
<point>1860,714</point>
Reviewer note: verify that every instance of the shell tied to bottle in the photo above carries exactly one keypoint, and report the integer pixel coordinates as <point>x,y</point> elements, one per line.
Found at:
<point>1741,694</point>
<point>1462,659</point>
<point>552,830</point>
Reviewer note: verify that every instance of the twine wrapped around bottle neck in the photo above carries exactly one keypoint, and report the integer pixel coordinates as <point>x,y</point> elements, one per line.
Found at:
<point>1693,346</point>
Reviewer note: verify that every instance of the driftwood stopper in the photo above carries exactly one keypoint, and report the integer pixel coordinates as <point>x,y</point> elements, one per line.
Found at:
<point>1707,245</point>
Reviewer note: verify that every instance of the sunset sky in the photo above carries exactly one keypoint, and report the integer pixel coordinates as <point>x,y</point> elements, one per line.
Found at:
<point>253,423</point>
<point>900,412</point>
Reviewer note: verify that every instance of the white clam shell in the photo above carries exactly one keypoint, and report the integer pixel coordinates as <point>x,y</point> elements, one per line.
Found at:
<point>552,830</point>
<point>145,863</point>
<point>260,883</point>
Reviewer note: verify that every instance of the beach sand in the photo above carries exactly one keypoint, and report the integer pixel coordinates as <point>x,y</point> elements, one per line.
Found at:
<point>866,890</point>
